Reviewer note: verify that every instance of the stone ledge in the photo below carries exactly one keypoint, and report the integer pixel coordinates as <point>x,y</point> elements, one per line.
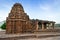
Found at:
<point>26,36</point>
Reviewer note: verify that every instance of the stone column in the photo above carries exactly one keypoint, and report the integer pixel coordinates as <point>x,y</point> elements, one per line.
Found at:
<point>36,25</point>
<point>42,26</point>
<point>48,25</point>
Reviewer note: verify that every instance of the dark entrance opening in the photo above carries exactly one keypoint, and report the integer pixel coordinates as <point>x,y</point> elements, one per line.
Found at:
<point>44,25</point>
<point>39,25</point>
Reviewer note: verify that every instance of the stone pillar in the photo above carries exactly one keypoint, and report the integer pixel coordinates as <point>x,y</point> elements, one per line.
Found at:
<point>36,26</point>
<point>42,26</point>
<point>47,26</point>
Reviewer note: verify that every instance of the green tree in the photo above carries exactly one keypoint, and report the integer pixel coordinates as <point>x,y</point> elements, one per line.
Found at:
<point>3,26</point>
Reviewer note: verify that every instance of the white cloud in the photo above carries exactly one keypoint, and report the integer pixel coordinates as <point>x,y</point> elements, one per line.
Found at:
<point>45,7</point>
<point>56,2</point>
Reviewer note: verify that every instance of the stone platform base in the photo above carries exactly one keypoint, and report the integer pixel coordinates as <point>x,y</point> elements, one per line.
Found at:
<point>4,36</point>
<point>36,34</point>
<point>27,37</point>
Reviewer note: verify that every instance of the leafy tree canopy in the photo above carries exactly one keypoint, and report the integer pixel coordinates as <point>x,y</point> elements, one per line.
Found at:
<point>3,26</point>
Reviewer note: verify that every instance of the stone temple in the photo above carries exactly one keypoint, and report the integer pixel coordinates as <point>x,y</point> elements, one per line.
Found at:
<point>19,22</point>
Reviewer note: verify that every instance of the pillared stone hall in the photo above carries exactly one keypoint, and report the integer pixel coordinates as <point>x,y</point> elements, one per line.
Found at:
<point>19,22</point>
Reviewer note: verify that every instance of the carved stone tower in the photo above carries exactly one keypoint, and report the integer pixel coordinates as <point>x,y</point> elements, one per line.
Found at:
<point>17,21</point>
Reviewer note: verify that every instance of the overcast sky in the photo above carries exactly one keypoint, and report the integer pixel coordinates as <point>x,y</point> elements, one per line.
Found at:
<point>36,9</point>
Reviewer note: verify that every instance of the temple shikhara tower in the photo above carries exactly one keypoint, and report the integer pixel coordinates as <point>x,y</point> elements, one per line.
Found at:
<point>19,22</point>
